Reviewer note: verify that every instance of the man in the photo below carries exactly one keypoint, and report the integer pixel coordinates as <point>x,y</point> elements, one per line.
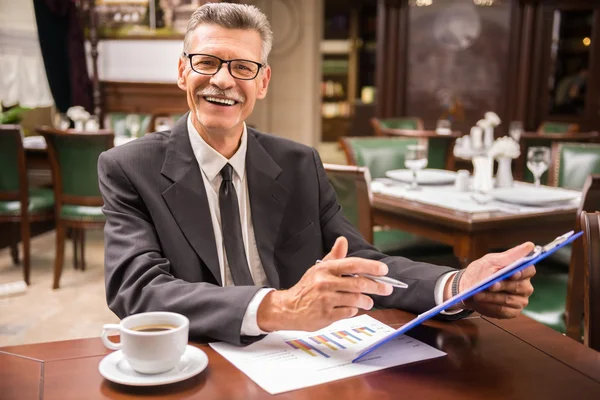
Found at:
<point>225,224</point>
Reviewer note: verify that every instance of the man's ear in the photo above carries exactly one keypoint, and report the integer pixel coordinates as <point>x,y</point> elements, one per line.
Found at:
<point>264,79</point>
<point>181,81</point>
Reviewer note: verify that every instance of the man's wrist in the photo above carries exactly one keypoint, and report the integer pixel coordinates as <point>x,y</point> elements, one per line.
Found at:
<point>270,314</point>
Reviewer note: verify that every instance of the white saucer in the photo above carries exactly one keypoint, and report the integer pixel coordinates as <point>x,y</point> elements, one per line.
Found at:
<point>114,368</point>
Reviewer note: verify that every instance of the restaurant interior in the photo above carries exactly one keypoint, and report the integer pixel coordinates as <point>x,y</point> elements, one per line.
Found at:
<point>448,128</point>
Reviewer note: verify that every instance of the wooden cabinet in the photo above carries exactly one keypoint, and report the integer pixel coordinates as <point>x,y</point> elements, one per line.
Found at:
<point>348,63</point>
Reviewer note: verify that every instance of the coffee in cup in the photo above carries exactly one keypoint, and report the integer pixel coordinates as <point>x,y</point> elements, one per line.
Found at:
<point>151,342</point>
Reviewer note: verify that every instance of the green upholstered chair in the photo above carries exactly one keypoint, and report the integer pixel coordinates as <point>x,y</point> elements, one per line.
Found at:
<point>411,123</point>
<point>351,185</point>
<point>74,158</point>
<point>590,225</point>
<point>381,154</point>
<point>572,163</point>
<point>117,122</point>
<point>20,204</point>
<point>550,128</point>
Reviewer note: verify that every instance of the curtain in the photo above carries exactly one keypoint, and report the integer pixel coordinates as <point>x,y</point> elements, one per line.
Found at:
<point>62,44</point>
<point>22,75</point>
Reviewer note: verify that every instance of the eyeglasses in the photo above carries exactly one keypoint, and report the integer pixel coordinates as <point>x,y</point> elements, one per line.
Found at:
<point>205,64</point>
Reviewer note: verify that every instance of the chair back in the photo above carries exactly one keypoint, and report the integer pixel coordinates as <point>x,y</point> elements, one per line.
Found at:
<point>550,128</point>
<point>351,185</point>
<point>590,202</point>
<point>117,122</point>
<point>590,224</point>
<point>13,169</point>
<point>573,163</point>
<point>74,160</point>
<point>379,154</point>
<point>412,123</point>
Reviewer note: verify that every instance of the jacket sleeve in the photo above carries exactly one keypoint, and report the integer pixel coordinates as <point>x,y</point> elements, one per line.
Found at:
<point>139,278</point>
<point>420,277</point>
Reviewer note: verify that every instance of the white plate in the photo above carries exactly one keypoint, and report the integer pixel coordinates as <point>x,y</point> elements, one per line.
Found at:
<point>424,177</point>
<point>534,196</point>
<point>115,368</point>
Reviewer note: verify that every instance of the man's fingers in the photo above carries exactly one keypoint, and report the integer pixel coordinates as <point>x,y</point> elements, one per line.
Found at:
<point>502,299</point>
<point>358,284</point>
<point>355,300</point>
<point>339,249</point>
<point>520,287</point>
<point>343,312</point>
<point>354,265</point>
<point>512,255</point>
<point>526,273</point>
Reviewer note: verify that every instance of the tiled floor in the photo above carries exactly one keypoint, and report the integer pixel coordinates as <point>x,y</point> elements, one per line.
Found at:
<point>76,310</point>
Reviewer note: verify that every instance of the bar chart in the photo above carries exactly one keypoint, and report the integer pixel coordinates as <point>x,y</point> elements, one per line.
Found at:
<point>334,340</point>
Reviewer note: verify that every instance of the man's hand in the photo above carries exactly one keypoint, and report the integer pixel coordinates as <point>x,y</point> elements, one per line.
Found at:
<point>323,295</point>
<point>505,299</point>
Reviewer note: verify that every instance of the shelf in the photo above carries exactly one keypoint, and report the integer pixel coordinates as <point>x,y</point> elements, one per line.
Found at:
<point>336,46</point>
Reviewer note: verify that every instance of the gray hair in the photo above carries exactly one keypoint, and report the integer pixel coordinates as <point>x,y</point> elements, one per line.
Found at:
<point>232,16</point>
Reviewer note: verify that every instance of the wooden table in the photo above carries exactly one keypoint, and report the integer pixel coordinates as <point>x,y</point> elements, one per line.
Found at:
<point>517,359</point>
<point>471,235</point>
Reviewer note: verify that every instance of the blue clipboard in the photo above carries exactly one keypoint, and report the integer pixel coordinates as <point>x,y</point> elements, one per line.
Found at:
<point>538,253</point>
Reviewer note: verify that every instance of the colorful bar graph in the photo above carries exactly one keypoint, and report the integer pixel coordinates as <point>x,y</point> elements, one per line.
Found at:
<point>364,330</point>
<point>323,339</point>
<point>306,347</point>
<point>350,335</point>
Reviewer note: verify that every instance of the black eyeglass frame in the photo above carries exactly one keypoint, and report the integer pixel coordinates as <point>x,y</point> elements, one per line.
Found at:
<point>221,62</point>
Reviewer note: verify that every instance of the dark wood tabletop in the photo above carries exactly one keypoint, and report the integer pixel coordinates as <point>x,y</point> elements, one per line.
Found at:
<point>471,235</point>
<point>516,359</point>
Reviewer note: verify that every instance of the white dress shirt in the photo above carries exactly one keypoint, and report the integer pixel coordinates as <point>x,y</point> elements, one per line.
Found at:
<point>211,162</point>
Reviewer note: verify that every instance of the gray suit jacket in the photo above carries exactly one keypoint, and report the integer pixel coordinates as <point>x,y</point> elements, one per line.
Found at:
<point>160,246</point>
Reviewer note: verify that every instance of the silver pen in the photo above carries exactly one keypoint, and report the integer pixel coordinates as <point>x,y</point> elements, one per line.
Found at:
<point>382,279</point>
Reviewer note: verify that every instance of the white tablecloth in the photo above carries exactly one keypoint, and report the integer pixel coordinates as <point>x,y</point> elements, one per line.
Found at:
<point>467,202</point>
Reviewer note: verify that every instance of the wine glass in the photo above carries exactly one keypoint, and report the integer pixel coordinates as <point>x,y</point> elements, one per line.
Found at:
<point>415,160</point>
<point>538,160</point>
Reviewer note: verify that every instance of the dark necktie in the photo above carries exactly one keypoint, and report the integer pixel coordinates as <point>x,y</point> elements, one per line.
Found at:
<point>232,230</point>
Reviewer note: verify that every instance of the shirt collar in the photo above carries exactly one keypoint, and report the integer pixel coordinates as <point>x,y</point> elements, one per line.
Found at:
<point>211,161</point>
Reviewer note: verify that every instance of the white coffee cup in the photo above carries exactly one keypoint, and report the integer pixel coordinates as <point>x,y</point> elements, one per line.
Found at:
<point>151,342</point>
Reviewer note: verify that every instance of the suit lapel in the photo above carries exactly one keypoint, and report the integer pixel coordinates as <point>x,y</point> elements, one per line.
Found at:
<point>186,197</point>
<point>267,203</point>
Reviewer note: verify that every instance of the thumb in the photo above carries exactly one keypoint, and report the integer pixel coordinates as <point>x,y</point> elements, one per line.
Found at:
<point>512,255</point>
<point>339,249</point>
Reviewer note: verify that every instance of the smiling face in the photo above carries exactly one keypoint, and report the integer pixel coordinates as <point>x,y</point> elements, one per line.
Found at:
<point>220,103</point>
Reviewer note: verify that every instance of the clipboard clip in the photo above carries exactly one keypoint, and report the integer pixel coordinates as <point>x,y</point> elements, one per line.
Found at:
<point>557,242</point>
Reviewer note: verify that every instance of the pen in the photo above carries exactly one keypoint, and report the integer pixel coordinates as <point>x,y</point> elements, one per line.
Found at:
<point>382,279</point>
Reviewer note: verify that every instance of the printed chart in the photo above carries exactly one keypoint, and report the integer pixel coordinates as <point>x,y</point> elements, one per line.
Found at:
<point>322,356</point>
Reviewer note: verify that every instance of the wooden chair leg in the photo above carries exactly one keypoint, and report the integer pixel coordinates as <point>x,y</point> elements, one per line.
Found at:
<point>82,248</point>
<point>14,245</point>
<point>25,239</point>
<point>60,252</point>
<point>75,241</point>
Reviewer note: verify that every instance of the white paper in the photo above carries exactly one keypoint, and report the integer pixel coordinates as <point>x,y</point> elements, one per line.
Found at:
<point>277,366</point>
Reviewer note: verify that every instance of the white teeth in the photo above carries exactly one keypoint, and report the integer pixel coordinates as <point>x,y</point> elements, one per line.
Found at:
<point>222,101</point>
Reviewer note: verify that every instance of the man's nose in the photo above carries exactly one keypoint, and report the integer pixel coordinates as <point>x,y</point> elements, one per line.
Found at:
<point>223,79</point>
